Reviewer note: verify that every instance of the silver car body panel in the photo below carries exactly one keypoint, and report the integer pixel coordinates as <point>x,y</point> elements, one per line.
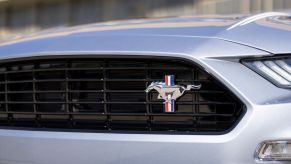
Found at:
<point>258,32</point>
<point>215,43</point>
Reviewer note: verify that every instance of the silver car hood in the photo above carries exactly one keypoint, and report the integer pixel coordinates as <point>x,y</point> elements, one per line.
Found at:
<point>207,36</point>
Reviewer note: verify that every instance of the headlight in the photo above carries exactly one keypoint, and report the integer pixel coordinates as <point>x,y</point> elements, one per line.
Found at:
<point>274,151</point>
<point>276,70</point>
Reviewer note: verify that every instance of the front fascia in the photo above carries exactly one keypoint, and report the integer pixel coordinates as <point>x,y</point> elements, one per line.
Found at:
<point>237,146</point>
<point>201,50</point>
<point>261,122</point>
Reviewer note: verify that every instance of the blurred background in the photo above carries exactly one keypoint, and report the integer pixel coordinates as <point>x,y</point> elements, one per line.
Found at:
<point>26,16</point>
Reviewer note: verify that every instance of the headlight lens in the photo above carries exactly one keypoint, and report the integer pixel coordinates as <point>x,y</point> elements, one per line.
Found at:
<point>274,151</point>
<point>276,70</point>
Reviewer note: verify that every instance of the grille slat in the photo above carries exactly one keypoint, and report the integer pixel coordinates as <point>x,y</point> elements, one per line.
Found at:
<point>85,69</point>
<point>133,102</point>
<point>101,91</point>
<point>98,80</point>
<point>109,94</point>
<point>118,114</point>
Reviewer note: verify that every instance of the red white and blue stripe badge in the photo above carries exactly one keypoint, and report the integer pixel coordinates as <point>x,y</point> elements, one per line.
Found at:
<point>169,103</point>
<point>169,92</point>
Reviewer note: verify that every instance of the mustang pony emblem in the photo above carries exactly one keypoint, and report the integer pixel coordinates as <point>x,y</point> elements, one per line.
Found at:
<point>170,92</point>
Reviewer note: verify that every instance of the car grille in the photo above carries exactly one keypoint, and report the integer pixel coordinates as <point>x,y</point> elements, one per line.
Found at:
<point>109,95</point>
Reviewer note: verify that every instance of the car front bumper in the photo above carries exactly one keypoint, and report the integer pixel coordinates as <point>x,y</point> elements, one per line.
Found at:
<point>267,118</point>
<point>271,122</point>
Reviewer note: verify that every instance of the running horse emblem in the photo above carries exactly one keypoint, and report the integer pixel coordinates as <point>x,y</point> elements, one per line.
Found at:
<point>170,92</point>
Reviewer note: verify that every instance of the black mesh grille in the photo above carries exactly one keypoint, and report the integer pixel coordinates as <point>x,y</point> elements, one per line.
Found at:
<point>109,94</point>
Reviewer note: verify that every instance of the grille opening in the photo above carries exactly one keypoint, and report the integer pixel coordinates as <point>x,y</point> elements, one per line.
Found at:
<point>22,86</point>
<point>19,97</point>
<point>49,97</point>
<point>108,94</point>
<point>50,86</point>
<point>20,107</point>
<point>131,97</point>
<point>51,107</point>
<point>20,76</point>
<point>2,88</point>
<point>126,74</point>
<point>126,85</point>
<point>127,108</point>
<point>86,97</point>
<point>50,75</point>
<point>86,85</point>
<point>87,108</point>
<point>86,74</point>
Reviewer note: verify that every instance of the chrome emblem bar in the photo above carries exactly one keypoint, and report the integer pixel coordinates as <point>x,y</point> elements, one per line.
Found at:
<point>169,92</point>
